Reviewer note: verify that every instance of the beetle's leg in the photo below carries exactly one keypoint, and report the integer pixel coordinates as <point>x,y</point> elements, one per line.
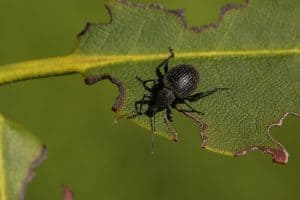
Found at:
<point>196,97</point>
<point>200,95</point>
<point>172,55</point>
<point>158,72</point>
<point>169,114</point>
<point>165,63</point>
<point>174,133</point>
<point>140,103</point>
<point>144,82</point>
<point>132,115</point>
<point>191,109</point>
<point>171,51</point>
<point>138,109</point>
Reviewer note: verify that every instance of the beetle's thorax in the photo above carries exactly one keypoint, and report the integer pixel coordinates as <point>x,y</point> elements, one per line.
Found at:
<point>165,98</point>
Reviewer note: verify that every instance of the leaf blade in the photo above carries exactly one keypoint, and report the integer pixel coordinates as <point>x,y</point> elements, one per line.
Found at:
<point>20,153</point>
<point>224,50</point>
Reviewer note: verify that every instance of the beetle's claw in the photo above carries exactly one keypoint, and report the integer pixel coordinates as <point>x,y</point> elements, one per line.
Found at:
<point>172,55</point>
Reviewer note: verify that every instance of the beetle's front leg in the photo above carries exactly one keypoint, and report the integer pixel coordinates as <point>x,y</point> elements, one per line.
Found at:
<point>144,82</point>
<point>165,64</point>
<point>141,103</point>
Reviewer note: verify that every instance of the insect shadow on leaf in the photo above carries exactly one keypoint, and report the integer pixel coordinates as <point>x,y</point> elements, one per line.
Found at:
<point>170,89</point>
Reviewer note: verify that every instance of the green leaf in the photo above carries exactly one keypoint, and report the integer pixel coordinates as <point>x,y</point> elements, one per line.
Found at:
<point>20,153</point>
<point>252,49</point>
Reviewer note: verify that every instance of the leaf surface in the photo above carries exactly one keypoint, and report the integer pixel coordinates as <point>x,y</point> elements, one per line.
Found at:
<point>252,49</point>
<point>20,153</point>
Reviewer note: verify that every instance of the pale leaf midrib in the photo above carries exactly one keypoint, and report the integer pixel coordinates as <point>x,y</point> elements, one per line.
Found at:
<point>76,63</point>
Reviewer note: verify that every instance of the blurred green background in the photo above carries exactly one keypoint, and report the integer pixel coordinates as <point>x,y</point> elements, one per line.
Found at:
<point>100,160</point>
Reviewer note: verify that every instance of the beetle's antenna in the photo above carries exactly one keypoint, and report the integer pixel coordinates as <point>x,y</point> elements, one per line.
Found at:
<point>153,130</point>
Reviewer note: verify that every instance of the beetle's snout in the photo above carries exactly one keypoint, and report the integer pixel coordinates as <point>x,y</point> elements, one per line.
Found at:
<point>153,110</point>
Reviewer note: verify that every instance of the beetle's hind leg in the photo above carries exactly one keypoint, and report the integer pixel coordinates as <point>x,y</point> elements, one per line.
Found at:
<point>191,109</point>
<point>196,97</point>
<point>200,95</point>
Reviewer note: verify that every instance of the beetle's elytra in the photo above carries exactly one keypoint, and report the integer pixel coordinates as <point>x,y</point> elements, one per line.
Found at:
<point>182,80</point>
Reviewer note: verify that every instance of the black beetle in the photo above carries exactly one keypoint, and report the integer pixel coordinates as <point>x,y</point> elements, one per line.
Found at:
<point>176,86</point>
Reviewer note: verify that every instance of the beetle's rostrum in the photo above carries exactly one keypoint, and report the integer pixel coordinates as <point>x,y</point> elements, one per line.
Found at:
<point>170,89</point>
